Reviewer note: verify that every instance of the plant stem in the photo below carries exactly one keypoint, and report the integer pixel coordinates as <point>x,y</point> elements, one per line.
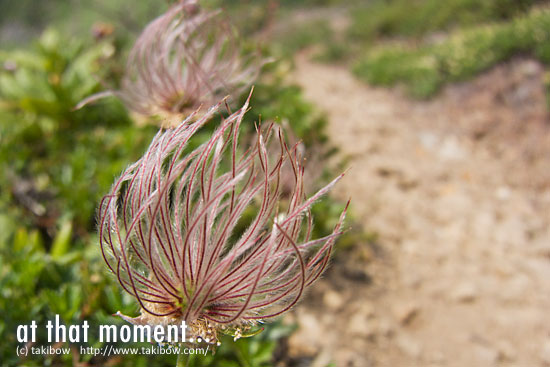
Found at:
<point>182,359</point>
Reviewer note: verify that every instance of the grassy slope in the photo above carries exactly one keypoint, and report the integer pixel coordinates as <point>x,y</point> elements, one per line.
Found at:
<point>465,53</point>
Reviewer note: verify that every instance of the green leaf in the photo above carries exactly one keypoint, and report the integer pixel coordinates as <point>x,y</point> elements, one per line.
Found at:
<point>62,240</point>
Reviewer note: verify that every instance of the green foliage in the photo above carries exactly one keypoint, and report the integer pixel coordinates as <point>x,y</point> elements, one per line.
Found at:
<point>57,161</point>
<point>254,351</point>
<point>41,285</point>
<point>408,18</point>
<point>36,284</point>
<point>464,54</point>
<point>25,19</point>
<point>333,52</point>
<point>285,103</point>
<point>300,35</point>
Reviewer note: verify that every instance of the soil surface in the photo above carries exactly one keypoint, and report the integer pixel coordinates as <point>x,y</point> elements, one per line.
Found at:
<point>457,192</point>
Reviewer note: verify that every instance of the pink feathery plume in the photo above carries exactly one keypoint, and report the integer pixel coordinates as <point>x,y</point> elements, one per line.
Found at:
<point>185,58</point>
<point>169,229</point>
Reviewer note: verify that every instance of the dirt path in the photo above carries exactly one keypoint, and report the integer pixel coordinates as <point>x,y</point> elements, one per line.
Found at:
<point>458,191</point>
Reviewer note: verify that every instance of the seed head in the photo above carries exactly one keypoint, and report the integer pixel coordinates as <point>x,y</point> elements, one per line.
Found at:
<point>174,229</point>
<point>183,59</point>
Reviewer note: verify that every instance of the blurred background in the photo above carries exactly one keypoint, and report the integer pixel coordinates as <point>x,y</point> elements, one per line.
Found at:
<point>440,108</point>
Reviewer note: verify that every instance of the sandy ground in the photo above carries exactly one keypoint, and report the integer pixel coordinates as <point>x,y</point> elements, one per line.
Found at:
<point>457,190</point>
